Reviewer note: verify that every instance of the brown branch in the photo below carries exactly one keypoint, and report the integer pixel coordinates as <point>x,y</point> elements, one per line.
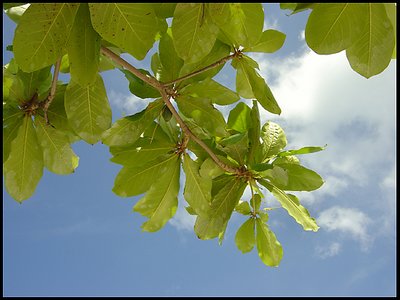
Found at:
<point>165,92</point>
<point>52,93</point>
<point>209,67</point>
<point>146,78</point>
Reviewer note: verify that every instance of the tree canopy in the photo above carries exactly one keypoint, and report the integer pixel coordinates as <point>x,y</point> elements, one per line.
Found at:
<point>181,131</point>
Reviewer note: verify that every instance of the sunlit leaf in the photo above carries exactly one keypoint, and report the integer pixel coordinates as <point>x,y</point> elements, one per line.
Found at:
<point>58,155</point>
<point>132,27</point>
<point>293,207</point>
<point>88,110</point>
<point>304,150</point>
<point>222,206</point>
<point>193,30</point>
<point>245,237</point>
<point>83,48</point>
<point>271,41</point>
<point>161,201</point>
<point>212,90</point>
<point>269,249</point>
<point>24,166</point>
<point>12,120</point>
<point>197,188</point>
<point>333,27</point>
<point>203,113</point>
<point>135,180</point>
<point>239,118</point>
<point>372,52</point>
<point>274,139</point>
<point>40,44</point>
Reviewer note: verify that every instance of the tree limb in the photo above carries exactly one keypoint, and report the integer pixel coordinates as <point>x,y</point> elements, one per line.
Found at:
<point>165,92</point>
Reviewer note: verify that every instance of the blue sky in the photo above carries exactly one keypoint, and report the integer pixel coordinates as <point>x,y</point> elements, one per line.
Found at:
<point>74,237</point>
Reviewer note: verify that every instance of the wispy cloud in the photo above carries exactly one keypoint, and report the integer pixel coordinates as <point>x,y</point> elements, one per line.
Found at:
<point>127,104</point>
<point>328,251</point>
<point>351,222</point>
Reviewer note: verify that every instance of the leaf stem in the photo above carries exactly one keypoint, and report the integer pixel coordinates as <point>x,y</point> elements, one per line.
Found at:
<point>209,67</point>
<point>166,93</point>
<point>53,89</point>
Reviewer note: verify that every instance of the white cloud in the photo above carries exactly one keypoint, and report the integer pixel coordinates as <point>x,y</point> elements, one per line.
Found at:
<point>127,104</point>
<point>328,251</point>
<point>349,221</point>
<point>324,101</point>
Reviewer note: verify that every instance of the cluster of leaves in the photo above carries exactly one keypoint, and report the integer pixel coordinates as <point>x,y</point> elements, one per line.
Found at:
<point>219,157</point>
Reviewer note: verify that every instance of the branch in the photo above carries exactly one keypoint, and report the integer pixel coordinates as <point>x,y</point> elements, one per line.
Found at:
<point>214,65</point>
<point>146,78</point>
<point>52,93</point>
<point>165,94</point>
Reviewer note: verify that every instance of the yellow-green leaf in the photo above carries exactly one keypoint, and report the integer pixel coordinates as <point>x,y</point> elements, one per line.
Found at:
<point>245,237</point>
<point>197,188</point>
<point>24,166</point>
<point>58,155</point>
<point>269,249</point>
<point>83,48</point>
<point>130,26</point>
<point>88,110</point>
<point>161,201</point>
<point>372,52</point>
<point>38,44</point>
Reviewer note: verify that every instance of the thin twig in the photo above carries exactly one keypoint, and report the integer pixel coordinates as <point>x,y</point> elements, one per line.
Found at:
<point>52,93</point>
<point>165,92</point>
<point>209,67</point>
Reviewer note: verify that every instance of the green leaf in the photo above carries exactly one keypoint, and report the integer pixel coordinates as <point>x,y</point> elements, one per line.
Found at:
<point>164,10</point>
<point>161,201</point>
<point>391,13</point>
<point>13,87</point>
<point>12,121</point>
<point>297,178</point>
<point>58,155</point>
<point>36,82</point>
<point>222,206</point>
<point>130,26</point>
<point>274,139</point>
<point>304,150</point>
<point>333,27</point>
<point>219,51</point>
<point>292,206</point>
<point>83,48</point>
<point>140,152</point>
<point>242,23</point>
<point>269,249</point>
<point>209,169</point>
<point>24,166</point>
<point>236,146</point>
<point>243,208</point>
<point>88,110</point>
<point>254,136</point>
<point>240,118</point>
<point>249,84</point>
<point>271,41</point>
<point>197,188</point>
<point>127,130</point>
<point>40,44</point>
<point>57,115</point>
<point>193,30</point>
<point>372,52</point>
<point>203,113</point>
<point>138,87</point>
<point>133,181</point>
<point>290,159</point>
<point>169,59</point>
<point>212,90</point>
<point>245,237</point>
